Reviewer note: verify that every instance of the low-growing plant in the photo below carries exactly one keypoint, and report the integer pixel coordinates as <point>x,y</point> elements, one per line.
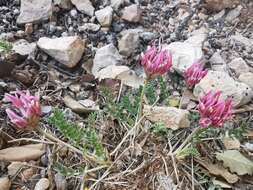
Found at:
<point>85,139</point>
<point>5,46</point>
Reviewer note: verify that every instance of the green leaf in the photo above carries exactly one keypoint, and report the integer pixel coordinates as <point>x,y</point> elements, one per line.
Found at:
<point>236,162</point>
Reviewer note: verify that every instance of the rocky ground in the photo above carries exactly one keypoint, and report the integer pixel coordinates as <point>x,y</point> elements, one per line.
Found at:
<point>82,57</point>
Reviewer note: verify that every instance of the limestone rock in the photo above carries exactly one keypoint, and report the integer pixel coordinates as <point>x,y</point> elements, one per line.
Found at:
<point>173,118</point>
<point>116,3</point>
<point>233,14</point>
<point>216,80</point>
<point>42,184</point>
<point>104,16</point>
<point>247,78</point>
<point>78,107</point>
<point>240,39</point>
<point>129,42</point>
<point>66,50</point>
<point>64,4</point>
<point>183,55</point>
<point>132,13</point>
<point>5,183</point>
<point>104,57</point>
<point>89,27</point>
<point>23,47</point>
<point>238,66</point>
<point>32,11</point>
<point>84,6</point>
<point>217,62</point>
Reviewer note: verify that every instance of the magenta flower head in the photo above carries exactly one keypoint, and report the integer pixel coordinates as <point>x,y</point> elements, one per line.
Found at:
<point>194,74</point>
<point>156,62</point>
<point>26,110</point>
<point>214,111</point>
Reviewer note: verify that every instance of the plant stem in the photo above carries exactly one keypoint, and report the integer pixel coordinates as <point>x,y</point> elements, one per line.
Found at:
<point>139,114</point>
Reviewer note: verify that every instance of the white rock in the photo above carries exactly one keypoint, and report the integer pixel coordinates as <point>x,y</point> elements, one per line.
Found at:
<point>183,55</point>
<point>84,6</point>
<point>23,47</point>
<point>32,11</point>
<point>132,13</point>
<point>238,66</point>
<point>89,27</point>
<point>233,14</point>
<point>238,38</point>
<point>217,62</point>
<point>247,78</point>
<point>216,80</point>
<point>129,42</point>
<point>42,184</point>
<point>5,183</point>
<point>104,16</point>
<point>64,4</point>
<point>198,37</point>
<point>116,3</point>
<point>66,50</point>
<point>172,117</point>
<point>104,57</point>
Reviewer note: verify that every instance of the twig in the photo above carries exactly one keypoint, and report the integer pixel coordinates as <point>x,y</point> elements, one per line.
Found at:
<point>31,140</point>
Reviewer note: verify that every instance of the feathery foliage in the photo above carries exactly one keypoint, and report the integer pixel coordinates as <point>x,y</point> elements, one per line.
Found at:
<point>5,46</point>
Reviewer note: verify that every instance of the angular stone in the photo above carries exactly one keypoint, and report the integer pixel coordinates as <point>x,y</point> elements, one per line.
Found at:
<point>221,81</point>
<point>238,38</point>
<point>132,13</point>
<point>116,3</point>
<point>238,66</point>
<point>129,42</point>
<point>84,6</point>
<point>173,118</point>
<point>104,57</point>
<point>247,78</point>
<point>23,47</point>
<point>5,183</point>
<point>66,50</point>
<point>89,27</point>
<point>233,14</point>
<point>217,62</point>
<point>33,11</point>
<point>183,55</point>
<point>104,16</point>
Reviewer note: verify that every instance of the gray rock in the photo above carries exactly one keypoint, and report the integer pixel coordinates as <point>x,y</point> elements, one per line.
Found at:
<point>247,78</point>
<point>148,36</point>
<point>216,80</point>
<point>84,6</point>
<point>33,11</point>
<point>238,66</point>
<point>183,55</point>
<point>73,13</point>
<point>66,50</point>
<point>89,27</point>
<point>132,13</point>
<point>64,4</point>
<point>219,15</point>
<point>104,16</point>
<point>23,47</point>
<point>198,37</point>
<point>233,14</point>
<point>104,57</point>
<point>238,38</point>
<point>129,42</point>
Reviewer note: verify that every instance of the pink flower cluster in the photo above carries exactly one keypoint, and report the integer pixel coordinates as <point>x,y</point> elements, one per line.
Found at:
<point>156,62</point>
<point>26,109</point>
<point>213,111</point>
<point>194,74</point>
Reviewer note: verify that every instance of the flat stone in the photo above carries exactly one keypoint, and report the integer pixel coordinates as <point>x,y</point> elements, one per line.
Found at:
<point>5,183</point>
<point>238,66</point>
<point>104,16</point>
<point>34,11</point>
<point>23,47</point>
<point>104,57</point>
<point>217,62</point>
<point>233,14</point>
<point>173,118</point>
<point>78,107</point>
<point>89,27</point>
<point>14,167</point>
<point>221,81</point>
<point>238,38</point>
<point>42,184</point>
<point>116,4</point>
<point>132,13</point>
<point>183,55</point>
<point>66,50</point>
<point>84,6</point>
<point>247,78</point>
<point>129,42</point>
